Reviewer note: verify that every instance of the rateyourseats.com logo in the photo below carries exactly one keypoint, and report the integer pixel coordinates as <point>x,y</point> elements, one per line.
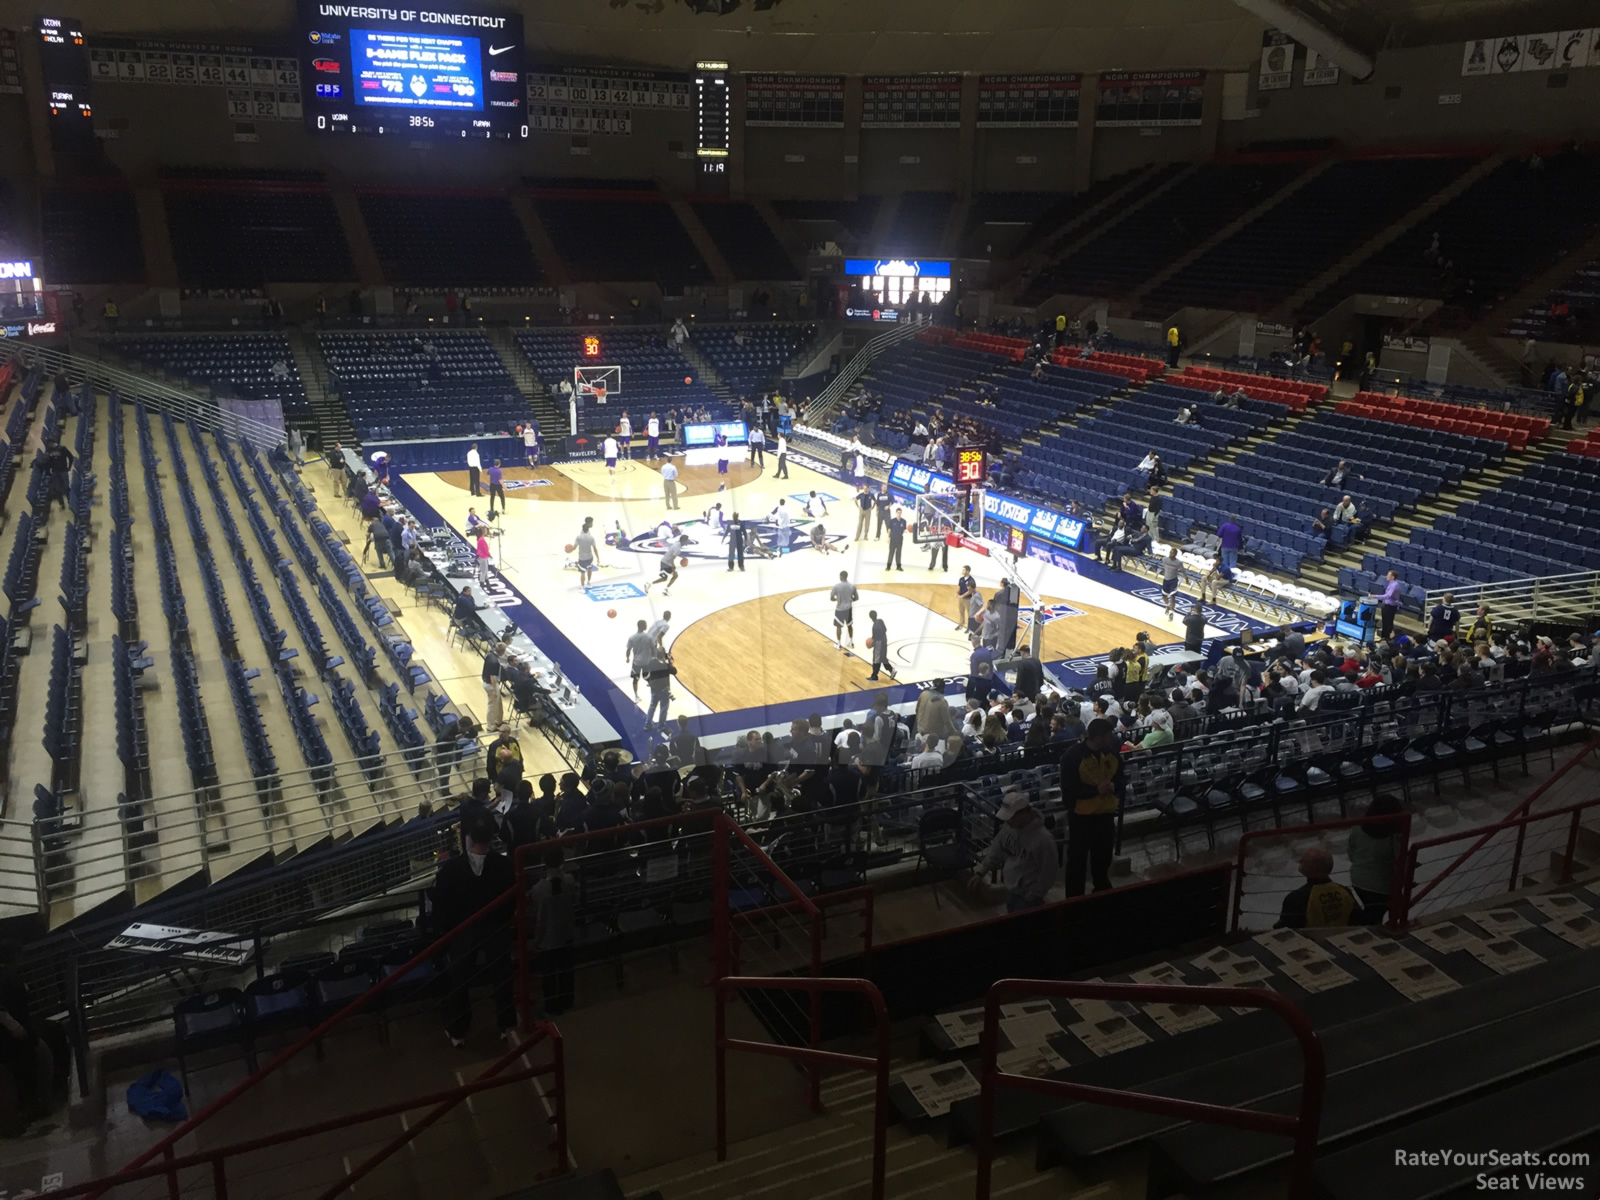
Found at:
<point>1525,1172</point>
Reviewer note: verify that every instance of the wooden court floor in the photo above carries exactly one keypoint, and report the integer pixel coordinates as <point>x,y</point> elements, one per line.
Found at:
<point>591,483</point>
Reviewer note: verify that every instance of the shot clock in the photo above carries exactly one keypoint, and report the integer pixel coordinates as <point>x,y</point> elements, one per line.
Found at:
<point>972,466</point>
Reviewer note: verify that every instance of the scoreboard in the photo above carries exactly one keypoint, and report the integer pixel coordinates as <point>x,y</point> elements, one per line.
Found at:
<point>911,102</point>
<point>452,71</point>
<point>1023,101</point>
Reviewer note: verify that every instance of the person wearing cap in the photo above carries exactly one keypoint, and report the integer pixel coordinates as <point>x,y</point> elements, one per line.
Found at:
<point>1025,849</point>
<point>1319,902</point>
<point>1159,730</point>
<point>1092,783</point>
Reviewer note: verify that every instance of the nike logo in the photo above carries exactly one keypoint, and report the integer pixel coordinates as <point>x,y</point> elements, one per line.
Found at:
<point>500,49</point>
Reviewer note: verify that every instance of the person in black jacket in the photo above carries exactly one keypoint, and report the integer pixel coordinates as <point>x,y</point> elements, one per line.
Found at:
<point>464,885</point>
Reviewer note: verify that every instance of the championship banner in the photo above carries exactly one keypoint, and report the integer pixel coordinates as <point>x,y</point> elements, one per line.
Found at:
<point>1149,99</point>
<point>1319,71</point>
<point>10,63</point>
<point>794,101</point>
<point>911,102</point>
<point>1029,101</point>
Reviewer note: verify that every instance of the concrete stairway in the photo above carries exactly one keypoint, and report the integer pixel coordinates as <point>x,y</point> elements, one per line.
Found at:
<point>552,415</point>
<point>1392,231</point>
<point>1226,232</point>
<point>829,1157</point>
<point>333,419</point>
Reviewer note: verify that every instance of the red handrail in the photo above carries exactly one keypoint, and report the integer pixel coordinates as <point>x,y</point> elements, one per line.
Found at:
<point>1520,823</point>
<point>1490,830</point>
<point>1401,821</point>
<point>165,1145</point>
<point>813,1056</point>
<point>491,1078</point>
<point>1302,1127</point>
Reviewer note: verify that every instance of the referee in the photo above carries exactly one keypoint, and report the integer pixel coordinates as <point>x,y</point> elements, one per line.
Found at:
<point>735,542</point>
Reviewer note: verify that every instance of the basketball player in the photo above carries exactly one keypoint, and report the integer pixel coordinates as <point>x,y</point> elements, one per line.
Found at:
<point>669,562</point>
<point>816,507</point>
<point>640,655</point>
<point>843,595</point>
<point>722,453</point>
<point>652,434</point>
<point>588,556</point>
<point>497,488</point>
<point>610,452</point>
<point>880,647</point>
<point>625,435</point>
<point>658,636</point>
<point>784,519</point>
<point>530,445</point>
<point>819,538</point>
<point>717,522</point>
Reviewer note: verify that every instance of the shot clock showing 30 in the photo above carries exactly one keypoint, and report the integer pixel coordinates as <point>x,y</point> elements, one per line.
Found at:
<point>447,72</point>
<point>971,466</point>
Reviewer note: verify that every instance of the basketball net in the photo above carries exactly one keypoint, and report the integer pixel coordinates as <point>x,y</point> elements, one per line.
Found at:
<point>946,516</point>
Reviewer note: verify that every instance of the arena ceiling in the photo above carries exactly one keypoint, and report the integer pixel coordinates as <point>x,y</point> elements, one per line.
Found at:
<point>899,36</point>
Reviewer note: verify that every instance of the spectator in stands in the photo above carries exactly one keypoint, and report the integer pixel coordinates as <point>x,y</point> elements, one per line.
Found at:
<point>1186,416</point>
<point>465,884</point>
<point>1214,580</point>
<point>466,609</point>
<point>1023,850</point>
<point>1344,512</point>
<point>1339,475</point>
<point>933,712</point>
<point>1319,902</point>
<point>1155,473</point>
<point>1444,618</point>
<point>1231,537</point>
<point>1388,602</point>
<point>1174,340</point>
<point>371,505</point>
<point>555,933</point>
<point>1093,783</point>
<point>1322,525</point>
<point>1133,547</point>
<point>928,757</point>
<point>1159,730</point>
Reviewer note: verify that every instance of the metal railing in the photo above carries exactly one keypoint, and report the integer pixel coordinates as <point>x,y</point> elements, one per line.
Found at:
<point>229,826</point>
<point>186,405</point>
<point>1574,597</point>
<point>1250,913</point>
<point>480,921</point>
<point>828,398</point>
<point>1301,1127</point>
<point>812,1056</point>
<point>1547,822</point>
<point>213,1163</point>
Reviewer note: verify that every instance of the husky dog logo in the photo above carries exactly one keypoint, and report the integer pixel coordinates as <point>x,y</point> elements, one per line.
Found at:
<point>418,85</point>
<point>1508,55</point>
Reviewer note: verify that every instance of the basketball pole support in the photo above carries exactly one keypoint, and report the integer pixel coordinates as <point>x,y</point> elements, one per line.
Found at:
<point>972,499</point>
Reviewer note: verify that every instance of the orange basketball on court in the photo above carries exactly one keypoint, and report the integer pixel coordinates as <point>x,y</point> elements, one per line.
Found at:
<point>869,643</point>
<point>612,613</point>
<point>683,562</point>
<point>570,547</point>
<point>519,428</point>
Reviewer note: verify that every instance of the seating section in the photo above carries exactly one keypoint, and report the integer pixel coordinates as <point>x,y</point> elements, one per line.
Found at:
<point>1001,224</point>
<point>751,250</point>
<point>750,358</point>
<point>400,386</point>
<point>1588,447</point>
<point>621,237</point>
<point>918,227</point>
<point>1570,313</point>
<point>1512,428</point>
<point>1542,522</point>
<point>656,378</point>
<point>1295,395</point>
<point>1307,232</point>
<point>259,366</point>
<point>1126,252</point>
<point>1477,244</point>
<point>238,233</point>
<point>822,220</point>
<point>91,233</point>
<point>449,239</point>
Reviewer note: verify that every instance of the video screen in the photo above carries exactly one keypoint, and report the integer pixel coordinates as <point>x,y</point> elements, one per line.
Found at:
<point>449,72</point>
<point>416,70</point>
<point>706,435</point>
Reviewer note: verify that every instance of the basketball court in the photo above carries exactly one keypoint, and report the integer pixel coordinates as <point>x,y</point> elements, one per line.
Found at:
<point>760,643</point>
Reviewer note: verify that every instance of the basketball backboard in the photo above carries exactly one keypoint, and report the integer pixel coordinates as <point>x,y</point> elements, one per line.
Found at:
<point>598,383</point>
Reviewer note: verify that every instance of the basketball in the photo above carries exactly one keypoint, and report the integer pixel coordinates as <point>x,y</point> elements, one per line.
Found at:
<point>519,428</point>
<point>688,380</point>
<point>612,613</point>
<point>869,643</point>
<point>683,562</point>
<point>570,547</point>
